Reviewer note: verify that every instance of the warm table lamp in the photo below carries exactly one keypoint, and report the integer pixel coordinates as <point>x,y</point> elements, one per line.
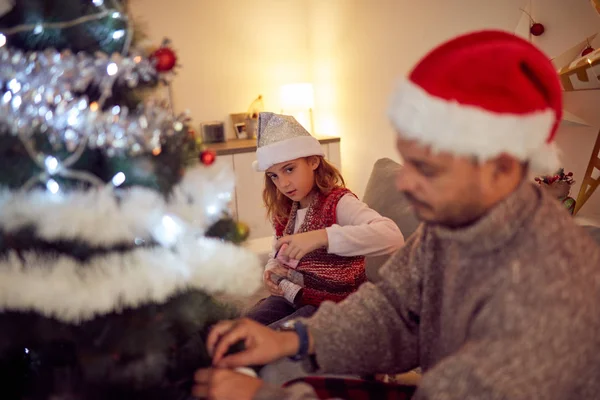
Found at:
<point>298,100</point>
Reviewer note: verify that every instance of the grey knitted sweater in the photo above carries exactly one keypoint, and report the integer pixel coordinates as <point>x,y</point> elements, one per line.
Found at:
<point>508,308</point>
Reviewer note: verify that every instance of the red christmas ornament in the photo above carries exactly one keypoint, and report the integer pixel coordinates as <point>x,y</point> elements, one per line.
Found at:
<point>537,29</point>
<point>207,157</point>
<point>587,51</point>
<point>164,59</point>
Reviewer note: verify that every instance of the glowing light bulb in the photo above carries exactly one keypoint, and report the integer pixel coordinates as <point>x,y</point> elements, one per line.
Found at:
<point>52,165</point>
<point>112,69</point>
<point>168,231</point>
<point>212,210</point>
<point>52,186</point>
<point>16,102</point>
<point>118,34</point>
<point>14,85</point>
<point>118,179</point>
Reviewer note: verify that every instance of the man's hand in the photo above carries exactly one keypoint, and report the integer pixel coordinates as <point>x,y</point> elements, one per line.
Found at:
<point>262,344</point>
<point>224,384</point>
<point>274,288</point>
<point>301,244</point>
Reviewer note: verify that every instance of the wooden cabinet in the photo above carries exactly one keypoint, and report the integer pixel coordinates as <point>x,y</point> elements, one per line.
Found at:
<point>247,204</point>
<point>249,186</point>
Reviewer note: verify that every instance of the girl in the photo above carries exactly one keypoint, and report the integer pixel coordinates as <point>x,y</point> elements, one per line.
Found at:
<point>322,231</point>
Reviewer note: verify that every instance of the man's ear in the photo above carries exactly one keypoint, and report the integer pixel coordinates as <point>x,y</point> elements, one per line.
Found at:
<point>505,164</point>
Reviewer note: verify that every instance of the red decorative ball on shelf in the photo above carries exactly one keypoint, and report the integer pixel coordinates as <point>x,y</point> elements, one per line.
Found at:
<point>164,59</point>
<point>587,51</point>
<point>208,157</point>
<point>537,29</point>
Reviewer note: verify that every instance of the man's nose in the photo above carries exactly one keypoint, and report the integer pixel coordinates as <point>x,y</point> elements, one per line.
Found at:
<point>405,182</point>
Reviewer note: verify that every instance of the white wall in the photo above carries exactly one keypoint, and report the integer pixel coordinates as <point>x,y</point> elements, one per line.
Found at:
<point>352,50</point>
<point>230,50</point>
<point>360,48</point>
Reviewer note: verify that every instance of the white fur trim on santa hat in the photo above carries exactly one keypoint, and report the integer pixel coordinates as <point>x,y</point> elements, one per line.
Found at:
<point>461,129</point>
<point>286,150</point>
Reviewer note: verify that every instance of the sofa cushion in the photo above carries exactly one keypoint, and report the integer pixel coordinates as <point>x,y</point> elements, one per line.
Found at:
<point>382,196</point>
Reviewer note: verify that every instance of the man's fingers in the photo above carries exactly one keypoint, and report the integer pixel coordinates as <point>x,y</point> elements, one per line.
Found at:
<point>215,334</point>
<point>201,379</point>
<point>200,391</point>
<point>241,359</point>
<point>203,375</point>
<point>237,333</point>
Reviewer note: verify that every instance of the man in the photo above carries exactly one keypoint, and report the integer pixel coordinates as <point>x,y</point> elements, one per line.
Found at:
<point>496,295</point>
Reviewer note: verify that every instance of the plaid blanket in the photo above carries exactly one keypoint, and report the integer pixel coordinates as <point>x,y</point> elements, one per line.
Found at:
<point>356,389</point>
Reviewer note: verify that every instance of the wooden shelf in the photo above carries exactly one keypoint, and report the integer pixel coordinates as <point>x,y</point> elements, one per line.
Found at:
<point>237,146</point>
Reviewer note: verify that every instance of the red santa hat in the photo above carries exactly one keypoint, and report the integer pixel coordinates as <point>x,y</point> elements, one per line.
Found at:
<point>483,94</point>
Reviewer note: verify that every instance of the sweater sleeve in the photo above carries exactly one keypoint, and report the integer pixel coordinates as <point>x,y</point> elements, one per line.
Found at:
<point>361,231</point>
<point>379,322</point>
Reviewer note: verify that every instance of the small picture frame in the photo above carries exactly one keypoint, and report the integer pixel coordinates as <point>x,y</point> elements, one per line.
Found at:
<point>238,121</point>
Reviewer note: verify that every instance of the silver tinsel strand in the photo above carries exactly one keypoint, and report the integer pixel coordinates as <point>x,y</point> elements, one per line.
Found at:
<point>41,96</point>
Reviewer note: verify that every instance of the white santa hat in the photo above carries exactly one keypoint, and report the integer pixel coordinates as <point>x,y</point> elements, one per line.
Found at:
<point>281,138</point>
<point>483,94</point>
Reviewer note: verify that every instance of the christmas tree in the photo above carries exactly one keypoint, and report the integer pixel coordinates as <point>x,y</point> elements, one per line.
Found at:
<point>116,242</point>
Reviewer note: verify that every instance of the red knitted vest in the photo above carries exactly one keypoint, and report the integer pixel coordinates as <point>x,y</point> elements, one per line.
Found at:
<point>326,276</point>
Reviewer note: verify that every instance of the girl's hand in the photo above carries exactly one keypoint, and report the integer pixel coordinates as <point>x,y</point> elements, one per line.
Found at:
<point>274,288</point>
<point>301,244</point>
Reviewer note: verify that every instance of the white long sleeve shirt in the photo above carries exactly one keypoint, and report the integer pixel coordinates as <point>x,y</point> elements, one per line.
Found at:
<point>360,231</point>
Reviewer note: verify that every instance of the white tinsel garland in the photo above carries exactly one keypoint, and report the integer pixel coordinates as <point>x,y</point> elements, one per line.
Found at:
<point>72,291</point>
